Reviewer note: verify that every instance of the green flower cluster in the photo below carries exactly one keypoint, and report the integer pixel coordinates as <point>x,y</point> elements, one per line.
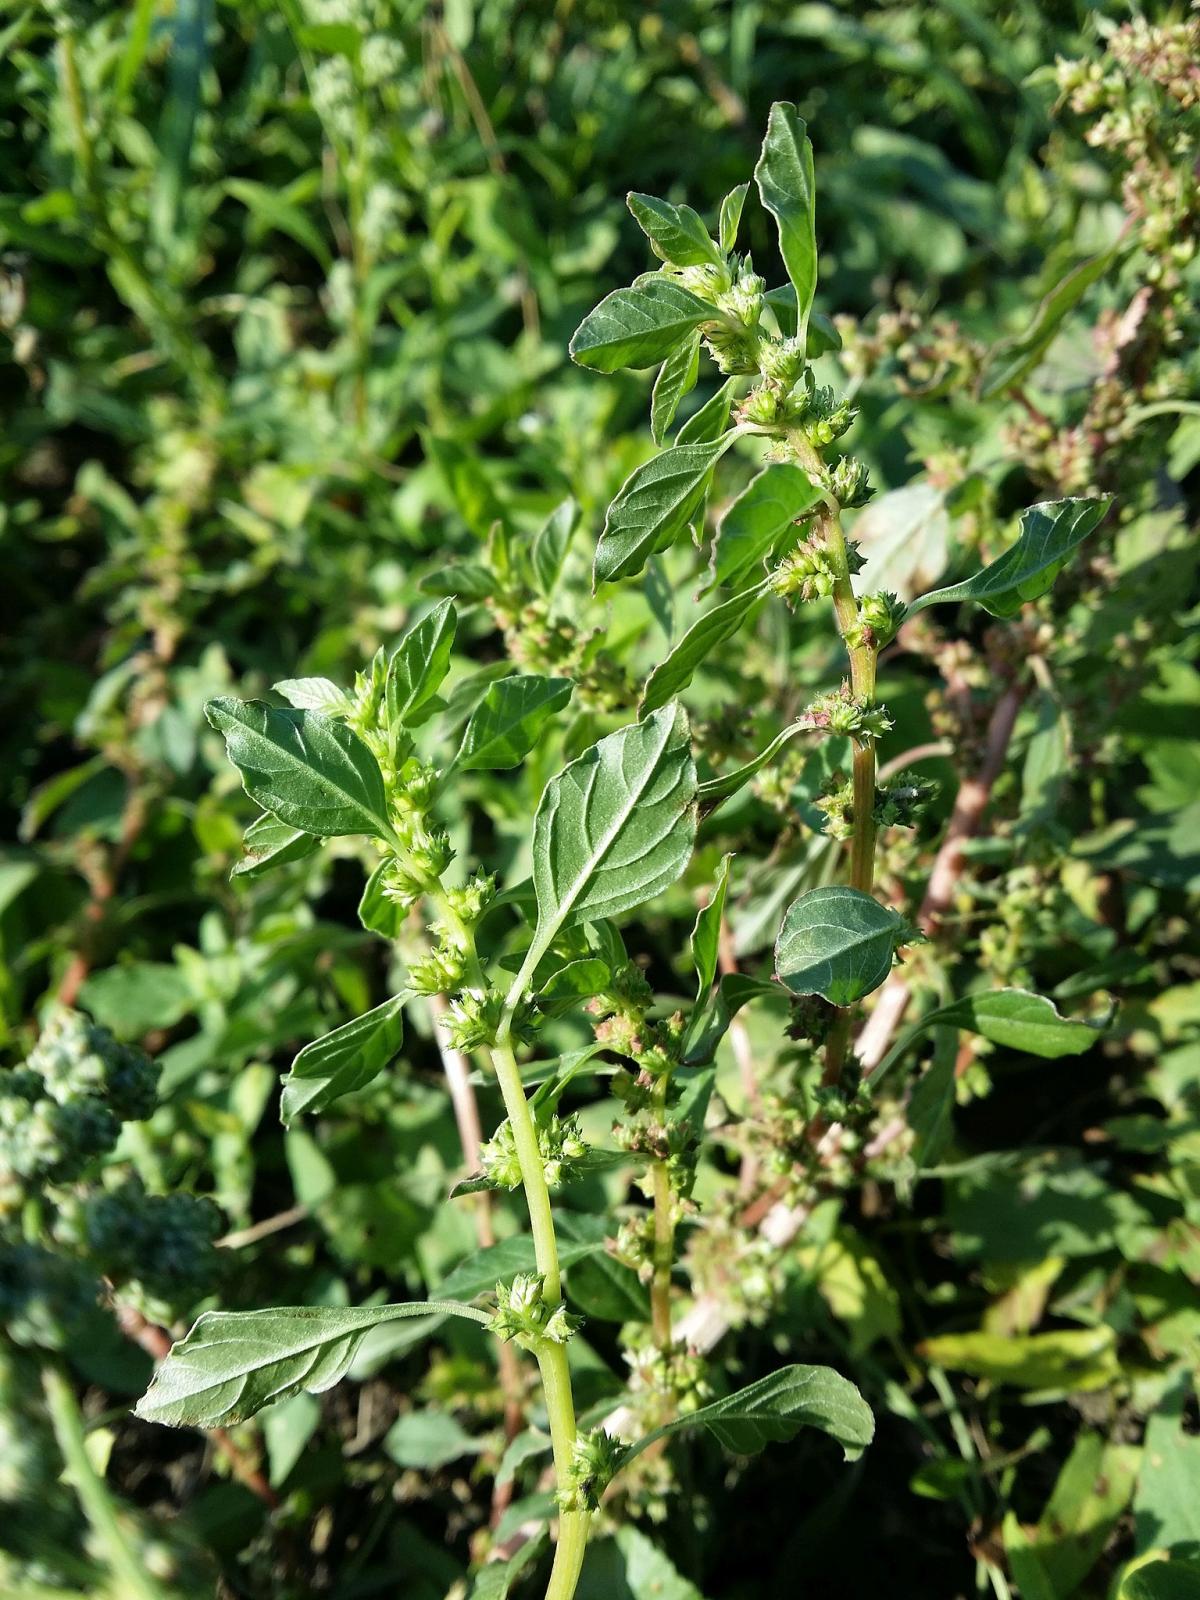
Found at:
<point>522,1314</point>
<point>65,1106</point>
<point>163,1242</point>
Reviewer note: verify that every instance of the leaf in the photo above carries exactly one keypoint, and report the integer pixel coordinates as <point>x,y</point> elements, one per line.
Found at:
<point>823,335</point>
<point>578,980</point>
<point>638,327</point>
<point>497,1578</point>
<point>1050,531</point>
<point>270,843</point>
<point>784,175</point>
<point>676,377</point>
<point>344,1060</point>
<point>135,997</point>
<point>1162,1580</point>
<point>508,721</point>
<point>713,791</point>
<point>837,942</point>
<point>904,536</point>
<point>774,1410</point>
<point>648,1574</point>
<point>233,1363</point>
<point>677,233</point>
<point>1015,359</point>
<point>706,935</point>
<point>310,771</point>
<point>758,521</point>
<point>271,209</point>
<point>702,638</point>
<point>706,425</point>
<point>1074,1359</point>
<point>1166,1507</point>
<point>1088,1499</point>
<point>550,546</point>
<point>1015,1018</point>
<point>708,1026</point>
<point>654,505</point>
<point>420,662</point>
<point>614,828</point>
<point>377,911</point>
<point>428,1440</point>
<point>731,216</point>
<point>314,694</point>
<point>498,1263</point>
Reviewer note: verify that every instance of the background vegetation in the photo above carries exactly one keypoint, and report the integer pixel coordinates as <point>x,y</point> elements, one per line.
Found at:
<point>286,294</point>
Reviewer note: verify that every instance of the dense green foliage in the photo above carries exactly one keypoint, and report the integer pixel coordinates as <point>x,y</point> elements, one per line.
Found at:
<point>454,896</point>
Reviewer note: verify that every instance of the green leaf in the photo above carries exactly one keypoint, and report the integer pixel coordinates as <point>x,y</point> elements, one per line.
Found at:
<point>713,791</point>
<point>1166,1507</point>
<point>837,942</point>
<point>614,828</point>
<point>648,1574</point>
<point>497,1578</point>
<point>498,1263</point>
<point>784,175</point>
<point>731,216</point>
<point>709,423</point>
<point>270,843</point>
<point>550,546</point>
<point>1088,1499</point>
<point>508,721</point>
<point>233,1363</point>
<point>676,377</point>
<point>314,694</point>
<point>1015,359</point>
<point>654,505</point>
<point>774,1410</point>
<point>677,233</point>
<point>709,1025</point>
<point>428,1440</point>
<point>1072,1359</point>
<point>702,638</point>
<point>1015,1018</point>
<point>1162,1580</point>
<point>706,935</point>
<point>377,911</point>
<point>420,662</point>
<point>310,771</point>
<point>638,327</point>
<point>1049,533</point>
<point>760,521</point>
<point>344,1060</point>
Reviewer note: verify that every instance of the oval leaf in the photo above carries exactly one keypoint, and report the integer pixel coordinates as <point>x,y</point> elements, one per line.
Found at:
<point>676,377</point>
<point>677,233</point>
<point>311,772</point>
<point>344,1060</point>
<point>505,725</point>
<point>614,828</point>
<point>774,1410</point>
<point>837,942</point>
<point>762,516</point>
<point>1050,531</point>
<point>420,662</point>
<point>270,843</point>
<point>654,506</point>
<point>638,327</point>
<point>233,1363</point>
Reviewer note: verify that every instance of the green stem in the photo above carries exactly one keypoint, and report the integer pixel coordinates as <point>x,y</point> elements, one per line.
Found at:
<point>664,1236</point>
<point>67,1421</point>
<point>863,656</point>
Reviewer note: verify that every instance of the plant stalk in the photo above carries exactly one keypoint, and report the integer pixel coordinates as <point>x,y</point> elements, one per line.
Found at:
<point>69,1430</point>
<point>664,1237</point>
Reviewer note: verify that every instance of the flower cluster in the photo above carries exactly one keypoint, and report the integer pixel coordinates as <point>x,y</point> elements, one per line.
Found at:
<point>595,1459</point>
<point>523,1315</point>
<point>163,1242</point>
<point>560,1143</point>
